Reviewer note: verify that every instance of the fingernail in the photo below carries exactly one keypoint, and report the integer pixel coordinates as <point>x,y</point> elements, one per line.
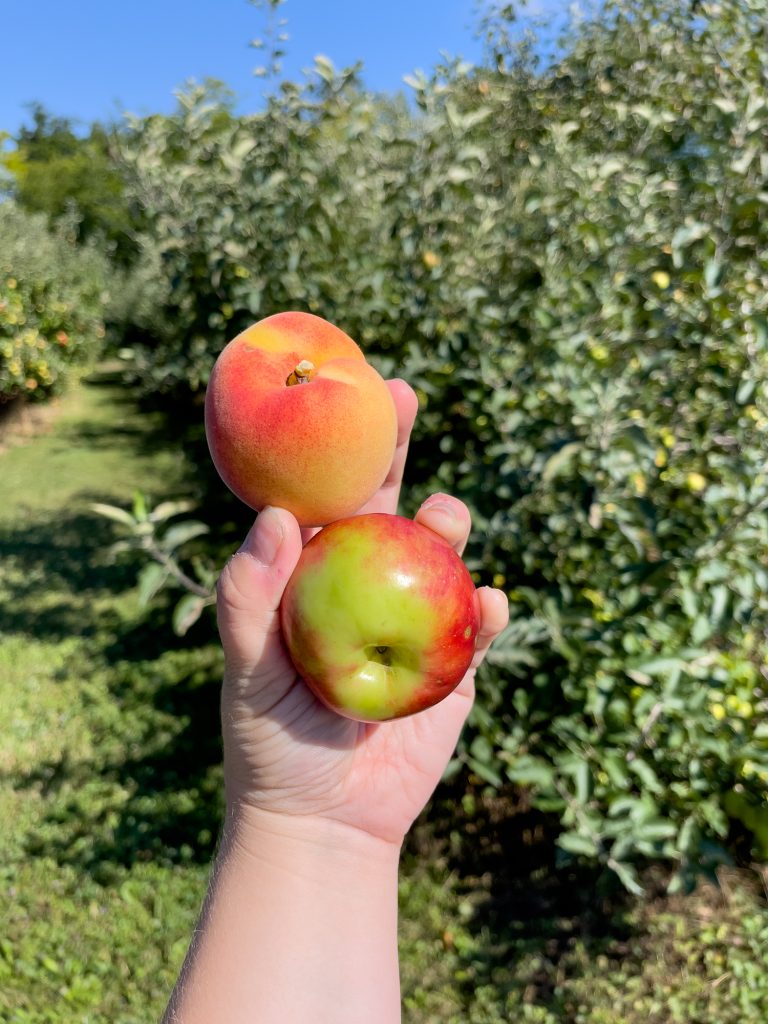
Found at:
<point>266,536</point>
<point>438,504</point>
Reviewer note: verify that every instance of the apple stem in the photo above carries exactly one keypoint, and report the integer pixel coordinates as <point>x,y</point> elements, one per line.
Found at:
<point>302,374</point>
<point>381,653</point>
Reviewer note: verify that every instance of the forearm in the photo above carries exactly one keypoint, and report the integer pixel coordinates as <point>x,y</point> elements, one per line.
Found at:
<point>300,924</point>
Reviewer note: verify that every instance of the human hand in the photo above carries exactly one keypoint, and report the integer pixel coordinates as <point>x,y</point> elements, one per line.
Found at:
<point>285,753</point>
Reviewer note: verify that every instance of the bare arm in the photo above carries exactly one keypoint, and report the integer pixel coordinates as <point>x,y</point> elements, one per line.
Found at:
<point>300,920</point>
<point>300,924</point>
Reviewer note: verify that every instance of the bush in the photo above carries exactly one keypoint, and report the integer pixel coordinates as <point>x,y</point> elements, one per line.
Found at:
<point>51,297</point>
<point>73,180</point>
<point>568,264</point>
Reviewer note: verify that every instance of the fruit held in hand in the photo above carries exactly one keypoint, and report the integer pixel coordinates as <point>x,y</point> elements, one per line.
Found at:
<point>295,417</point>
<point>380,617</point>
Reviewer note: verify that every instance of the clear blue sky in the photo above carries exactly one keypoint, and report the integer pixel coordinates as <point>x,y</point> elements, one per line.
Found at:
<point>94,59</point>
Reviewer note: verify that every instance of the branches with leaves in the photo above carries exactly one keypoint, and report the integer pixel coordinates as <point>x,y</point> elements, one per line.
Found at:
<point>273,43</point>
<point>148,531</point>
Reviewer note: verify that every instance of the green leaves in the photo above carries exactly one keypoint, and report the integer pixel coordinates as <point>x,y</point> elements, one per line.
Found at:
<point>52,297</point>
<point>567,263</point>
<point>187,611</point>
<point>141,529</point>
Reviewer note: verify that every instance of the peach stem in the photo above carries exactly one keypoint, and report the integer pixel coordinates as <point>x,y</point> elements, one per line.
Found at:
<point>302,374</point>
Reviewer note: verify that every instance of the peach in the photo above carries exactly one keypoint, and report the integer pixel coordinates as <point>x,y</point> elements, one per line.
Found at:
<point>296,417</point>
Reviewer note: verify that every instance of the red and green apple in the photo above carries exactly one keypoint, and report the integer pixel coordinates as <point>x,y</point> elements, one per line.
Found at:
<point>380,617</point>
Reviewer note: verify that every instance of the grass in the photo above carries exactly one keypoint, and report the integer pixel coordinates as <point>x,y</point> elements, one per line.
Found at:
<point>110,799</point>
<point>101,762</point>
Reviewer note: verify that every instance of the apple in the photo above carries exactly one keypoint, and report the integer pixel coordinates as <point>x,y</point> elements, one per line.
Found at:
<point>380,617</point>
<point>296,417</point>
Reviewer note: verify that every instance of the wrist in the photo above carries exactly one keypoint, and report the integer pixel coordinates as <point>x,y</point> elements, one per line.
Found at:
<point>309,839</point>
<point>292,893</point>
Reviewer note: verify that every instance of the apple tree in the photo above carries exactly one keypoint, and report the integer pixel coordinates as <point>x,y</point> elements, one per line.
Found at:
<point>567,261</point>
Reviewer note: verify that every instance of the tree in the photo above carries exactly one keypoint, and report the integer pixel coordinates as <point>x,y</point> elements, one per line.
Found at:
<point>59,173</point>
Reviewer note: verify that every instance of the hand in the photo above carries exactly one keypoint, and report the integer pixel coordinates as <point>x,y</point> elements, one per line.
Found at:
<point>285,753</point>
<point>318,805</point>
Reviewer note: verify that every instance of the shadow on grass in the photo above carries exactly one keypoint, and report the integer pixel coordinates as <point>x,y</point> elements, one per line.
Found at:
<point>139,430</point>
<point>151,787</point>
<point>53,568</point>
<point>143,783</point>
<point>159,796</point>
<point>530,906</point>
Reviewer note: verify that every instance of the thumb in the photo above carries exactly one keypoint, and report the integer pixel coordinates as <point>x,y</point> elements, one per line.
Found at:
<point>250,588</point>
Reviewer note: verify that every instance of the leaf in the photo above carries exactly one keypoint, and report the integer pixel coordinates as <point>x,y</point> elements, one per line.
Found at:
<point>119,548</point>
<point>529,772</point>
<point>560,461</point>
<point>458,174</point>
<point>481,750</point>
<point>471,153</point>
<point>625,806</point>
<point>167,509</point>
<point>119,515</point>
<point>325,68</point>
<point>417,81</point>
<point>242,148</point>
<point>658,666</point>
<point>616,769</point>
<point>686,236</point>
<point>583,778</point>
<point>139,507</point>
<point>688,835</point>
<point>577,843</point>
<point>181,533</point>
<point>187,612</point>
<point>656,830</point>
<point>610,166</point>
<point>565,128</point>
<point>151,579</point>
<point>485,772</point>
<point>743,162</point>
<point>627,876</point>
<point>713,273</point>
<point>714,816</point>
<point>746,389</point>
<point>720,598</point>
<point>727,105</point>
<point>647,775</point>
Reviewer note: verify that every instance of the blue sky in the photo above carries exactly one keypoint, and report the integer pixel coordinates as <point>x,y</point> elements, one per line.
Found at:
<point>93,59</point>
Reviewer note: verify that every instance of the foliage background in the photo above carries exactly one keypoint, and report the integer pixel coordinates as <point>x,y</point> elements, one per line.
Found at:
<point>567,259</point>
<point>52,296</point>
<point>568,263</point>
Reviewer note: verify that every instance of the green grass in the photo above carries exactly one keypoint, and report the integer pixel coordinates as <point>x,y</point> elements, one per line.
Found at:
<point>110,792</point>
<point>110,788</point>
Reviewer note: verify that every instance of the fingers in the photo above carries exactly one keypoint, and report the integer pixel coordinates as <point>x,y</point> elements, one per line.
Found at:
<point>251,586</point>
<point>406,404</point>
<point>448,517</point>
<point>494,616</point>
<point>388,495</point>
